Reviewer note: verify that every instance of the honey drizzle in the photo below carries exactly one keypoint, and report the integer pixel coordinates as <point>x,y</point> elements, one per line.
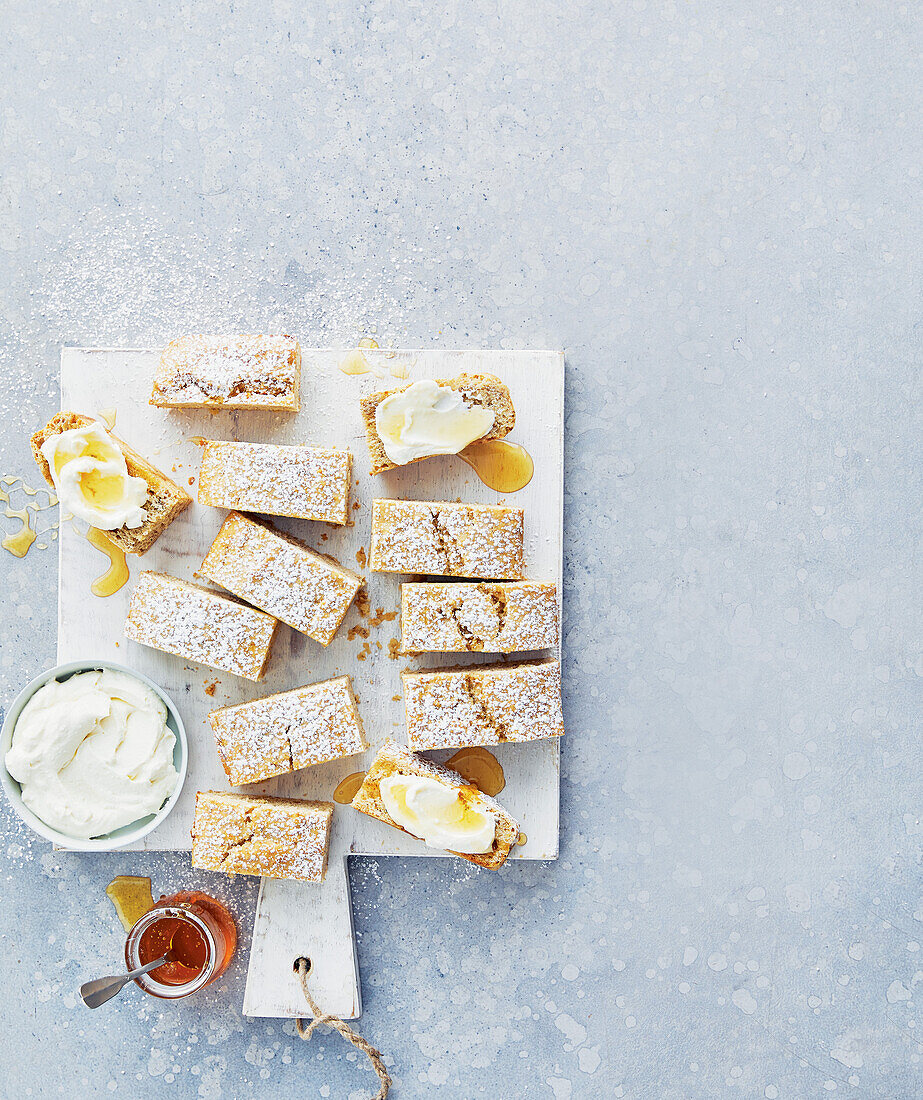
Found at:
<point>502,466</point>
<point>107,416</point>
<point>346,788</point>
<point>479,767</point>
<point>354,362</point>
<point>18,542</point>
<point>117,574</point>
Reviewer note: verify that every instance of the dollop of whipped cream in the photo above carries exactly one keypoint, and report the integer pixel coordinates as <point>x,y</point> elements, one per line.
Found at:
<point>93,753</point>
<point>92,480</point>
<point>436,813</point>
<point>427,419</point>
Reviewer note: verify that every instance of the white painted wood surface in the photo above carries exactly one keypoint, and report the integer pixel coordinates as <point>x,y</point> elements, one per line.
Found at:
<point>292,919</point>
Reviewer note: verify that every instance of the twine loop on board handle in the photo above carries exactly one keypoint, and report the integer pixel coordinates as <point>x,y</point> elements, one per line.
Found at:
<point>306,1030</point>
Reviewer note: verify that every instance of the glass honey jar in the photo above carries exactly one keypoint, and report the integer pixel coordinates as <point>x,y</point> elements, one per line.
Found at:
<point>195,931</point>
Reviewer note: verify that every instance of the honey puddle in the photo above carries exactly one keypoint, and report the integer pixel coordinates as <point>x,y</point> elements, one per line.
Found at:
<point>503,467</point>
<point>346,788</point>
<point>117,574</point>
<point>479,767</point>
<point>18,542</point>
<point>354,362</point>
<point>522,839</point>
<point>131,897</point>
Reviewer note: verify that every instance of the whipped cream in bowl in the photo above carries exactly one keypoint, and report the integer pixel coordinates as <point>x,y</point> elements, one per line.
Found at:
<point>92,755</point>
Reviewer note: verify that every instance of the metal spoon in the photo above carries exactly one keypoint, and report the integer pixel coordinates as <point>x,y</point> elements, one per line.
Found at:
<point>97,992</point>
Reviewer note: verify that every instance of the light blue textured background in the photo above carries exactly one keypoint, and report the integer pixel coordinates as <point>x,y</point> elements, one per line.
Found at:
<point>714,208</point>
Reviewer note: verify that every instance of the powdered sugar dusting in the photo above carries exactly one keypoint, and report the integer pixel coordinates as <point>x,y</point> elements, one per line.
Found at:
<point>289,731</point>
<point>446,539</point>
<point>238,371</point>
<point>483,705</point>
<point>280,838</point>
<point>281,576</point>
<point>485,617</point>
<point>300,482</point>
<point>191,622</point>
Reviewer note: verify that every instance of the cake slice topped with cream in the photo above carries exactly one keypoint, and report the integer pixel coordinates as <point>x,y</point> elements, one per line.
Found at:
<point>427,419</point>
<point>92,480</point>
<point>435,417</point>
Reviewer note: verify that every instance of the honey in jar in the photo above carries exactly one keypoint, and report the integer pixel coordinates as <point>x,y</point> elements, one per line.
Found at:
<point>195,931</point>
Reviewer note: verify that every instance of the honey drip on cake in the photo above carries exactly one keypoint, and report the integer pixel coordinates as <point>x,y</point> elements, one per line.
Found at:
<point>503,467</point>
<point>346,788</point>
<point>479,767</point>
<point>117,574</point>
<point>131,897</point>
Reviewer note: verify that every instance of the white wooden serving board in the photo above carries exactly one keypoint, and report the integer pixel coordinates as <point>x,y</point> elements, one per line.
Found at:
<point>303,919</point>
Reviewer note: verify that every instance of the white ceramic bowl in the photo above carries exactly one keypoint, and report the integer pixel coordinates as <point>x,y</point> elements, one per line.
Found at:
<point>127,834</point>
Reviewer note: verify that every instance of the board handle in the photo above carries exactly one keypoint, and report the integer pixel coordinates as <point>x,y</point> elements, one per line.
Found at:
<point>304,920</point>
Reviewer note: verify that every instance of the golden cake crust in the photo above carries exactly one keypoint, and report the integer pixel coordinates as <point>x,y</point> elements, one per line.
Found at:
<point>443,538</point>
<point>281,576</point>
<point>276,837</point>
<point>288,731</point>
<point>299,482</point>
<point>483,705</point>
<point>238,372</point>
<point>392,759</point>
<point>477,389</point>
<point>199,625</point>
<point>165,499</point>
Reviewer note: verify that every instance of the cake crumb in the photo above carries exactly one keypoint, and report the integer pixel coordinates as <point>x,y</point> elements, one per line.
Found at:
<point>361,558</point>
<point>394,649</point>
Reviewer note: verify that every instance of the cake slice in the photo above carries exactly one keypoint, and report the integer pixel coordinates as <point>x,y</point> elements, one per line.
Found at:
<point>199,625</point>
<point>275,837</point>
<point>489,617</point>
<point>289,731</point>
<point>440,538</point>
<point>234,372</point>
<point>461,798</point>
<point>165,499</point>
<point>280,575</point>
<point>426,418</point>
<point>300,482</point>
<point>483,705</point>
